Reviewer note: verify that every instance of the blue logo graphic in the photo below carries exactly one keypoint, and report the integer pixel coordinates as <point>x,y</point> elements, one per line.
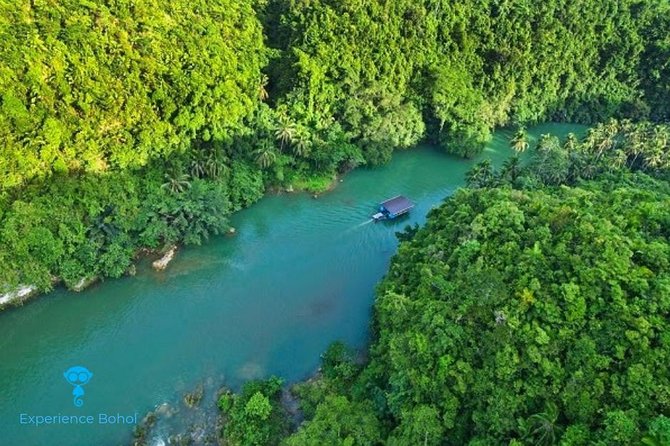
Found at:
<point>78,376</point>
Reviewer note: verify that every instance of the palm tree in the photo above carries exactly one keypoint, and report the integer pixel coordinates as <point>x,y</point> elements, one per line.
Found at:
<point>302,143</point>
<point>548,143</point>
<point>635,146</point>
<point>262,88</point>
<point>612,128</point>
<point>103,227</point>
<point>215,165</point>
<point>606,143</point>
<point>481,175</point>
<point>657,152</point>
<point>511,169</point>
<point>574,150</point>
<point>604,137</point>
<point>265,155</point>
<point>571,143</point>
<point>617,160</point>
<point>593,135</point>
<point>322,122</point>
<point>176,182</point>
<point>542,428</point>
<point>285,132</point>
<point>198,164</point>
<point>519,141</point>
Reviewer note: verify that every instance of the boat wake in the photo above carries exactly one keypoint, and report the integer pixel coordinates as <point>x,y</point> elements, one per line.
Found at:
<point>364,223</point>
<point>360,225</point>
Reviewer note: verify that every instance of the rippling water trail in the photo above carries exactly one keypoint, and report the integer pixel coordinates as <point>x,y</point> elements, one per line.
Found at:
<point>299,274</point>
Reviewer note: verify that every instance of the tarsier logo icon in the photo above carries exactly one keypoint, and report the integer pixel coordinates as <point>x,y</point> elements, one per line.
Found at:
<point>78,376</point>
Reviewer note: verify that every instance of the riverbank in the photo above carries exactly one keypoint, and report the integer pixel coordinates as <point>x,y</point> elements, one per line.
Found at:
<point>23,293</point>
<point>314,186</point>
<point>17,296</point>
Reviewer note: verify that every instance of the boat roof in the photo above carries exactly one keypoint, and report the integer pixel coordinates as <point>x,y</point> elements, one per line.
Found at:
<point>397,204</point>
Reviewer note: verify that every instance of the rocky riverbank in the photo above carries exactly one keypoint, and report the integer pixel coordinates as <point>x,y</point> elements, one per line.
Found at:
<point>22,293</point>
<point>17,296</point>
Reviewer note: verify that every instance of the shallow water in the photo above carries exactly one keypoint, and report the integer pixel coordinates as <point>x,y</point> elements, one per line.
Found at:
<point>299,274</point>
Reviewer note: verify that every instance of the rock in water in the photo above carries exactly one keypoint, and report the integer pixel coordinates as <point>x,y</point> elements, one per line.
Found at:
<point>23,292</point>
<point>163,262</point>
<point>84,283</point>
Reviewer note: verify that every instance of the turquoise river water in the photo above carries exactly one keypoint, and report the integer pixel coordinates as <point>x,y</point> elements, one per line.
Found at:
<point>299,274</point>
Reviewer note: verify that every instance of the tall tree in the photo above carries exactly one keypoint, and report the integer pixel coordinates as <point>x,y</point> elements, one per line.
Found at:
<point>519,141</point>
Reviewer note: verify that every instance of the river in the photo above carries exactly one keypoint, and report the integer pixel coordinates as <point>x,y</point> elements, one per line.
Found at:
<point>299,274</point>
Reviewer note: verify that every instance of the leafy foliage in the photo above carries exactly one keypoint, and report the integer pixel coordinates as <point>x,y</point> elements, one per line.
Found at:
<point>91,86</point>
<point>79,227</point>
<point>339,421</point>
<point>254,417</point>
<point>389,72</point>
<point>608,148</point>
<point>95,87</point>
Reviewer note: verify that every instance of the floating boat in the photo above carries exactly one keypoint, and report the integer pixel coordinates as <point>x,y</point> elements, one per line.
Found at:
<point>393,208</point>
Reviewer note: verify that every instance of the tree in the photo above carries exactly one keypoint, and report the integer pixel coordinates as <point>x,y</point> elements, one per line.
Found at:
<point>258,406</point>
<point>265,155</point>
<point>511,169</point>
<point>103,228</point>
<point>519,141</point>
<point>78,102</point>
<point>285,132</point>
<point>420,427</point>
<point>255,416</point>
<point>551,161</point>
<point>487,326</point>
<point>198,164</point>
<point>339,421</point>
<point>302,143</point>
<point>541,428</point>
<point>216,164</point>
<point>176,183</point>
<point>506,319</point>
<point>659,432</point>
<point>262,88</point>
<point>481,175</point>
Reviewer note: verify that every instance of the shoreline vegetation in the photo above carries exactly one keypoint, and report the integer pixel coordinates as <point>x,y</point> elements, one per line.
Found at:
<point>163,256</point>
<point>142,126</point>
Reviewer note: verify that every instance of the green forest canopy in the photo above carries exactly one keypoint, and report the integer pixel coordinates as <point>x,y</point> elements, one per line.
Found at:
<point>97,86</point>
<point>537,316</point>
<point>540,316</point>
<point>91,86</point>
